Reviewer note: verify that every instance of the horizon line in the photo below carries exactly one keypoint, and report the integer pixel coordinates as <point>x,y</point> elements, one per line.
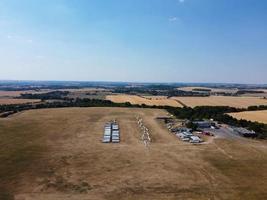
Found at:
<point>131,82</point>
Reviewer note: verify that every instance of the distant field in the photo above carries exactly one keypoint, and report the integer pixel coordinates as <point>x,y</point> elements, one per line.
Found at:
<point>222,90</point>
<point>238,102</point>
<point>264,94</point>
<point>85,90</point>
<point>148,100</point>
<point>13,93</point>
<point>189,89</point>
<point>17,101</point>
<point>57,154</point>
<point>18,93</point>
<point>258,116</point>
<point>10,94</point>
<point>155,97</point>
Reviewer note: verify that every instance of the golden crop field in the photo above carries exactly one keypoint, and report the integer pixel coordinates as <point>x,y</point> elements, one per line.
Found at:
<point>59,155</point>
<point>238,102</point>
<point>12,93</point>
<point>17,101</point>
<point>149,100</point>
<point>190,89</point>
<point>256,116</point>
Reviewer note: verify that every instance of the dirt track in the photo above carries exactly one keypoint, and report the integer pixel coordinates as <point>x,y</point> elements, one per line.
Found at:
<point>75,164</point>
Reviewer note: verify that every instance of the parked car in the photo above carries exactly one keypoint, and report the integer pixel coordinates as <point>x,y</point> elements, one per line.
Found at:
<point>207,133</point>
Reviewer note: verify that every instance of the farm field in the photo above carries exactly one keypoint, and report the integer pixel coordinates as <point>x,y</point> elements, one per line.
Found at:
<point>155,97</point>
<point>17,101</point>
<point>222,90</point>
<point>264,94</point>
<point>238,102</point>
<point>6,94</point>
<point>92,93</point>
<point>148,100</point>
<point>84,90</point>
<point>190,89</point>
<point>56,154</point>
<point>255,116</point>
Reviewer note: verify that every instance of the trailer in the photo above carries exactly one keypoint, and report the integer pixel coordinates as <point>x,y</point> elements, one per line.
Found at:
<point>106,139</point>
<point>111,133</point>
<point>115,127</point>
<point>195,139</point>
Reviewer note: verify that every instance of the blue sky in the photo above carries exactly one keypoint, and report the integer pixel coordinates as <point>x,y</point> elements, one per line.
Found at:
<point>134,40</point>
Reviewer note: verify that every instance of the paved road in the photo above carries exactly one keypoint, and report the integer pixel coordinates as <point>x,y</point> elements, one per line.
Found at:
<point>225,133</point>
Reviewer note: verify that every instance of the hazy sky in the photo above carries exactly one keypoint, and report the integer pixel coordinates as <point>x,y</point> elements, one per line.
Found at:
<point>134,40</point>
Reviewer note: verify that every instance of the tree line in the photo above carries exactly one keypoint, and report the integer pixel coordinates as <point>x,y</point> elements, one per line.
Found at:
<point>218,113</point>
<point>60,95</point>
<point>6,110</point>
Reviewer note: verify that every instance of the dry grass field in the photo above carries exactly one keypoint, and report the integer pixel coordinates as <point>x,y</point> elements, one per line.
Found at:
<point>57,154</point>
<point>148,100</point>
<point>256,116</point>
<point>238,102</point>
<point>17,101</point>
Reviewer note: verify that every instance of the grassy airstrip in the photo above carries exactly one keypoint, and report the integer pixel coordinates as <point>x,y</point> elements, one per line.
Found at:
<point>55,154</point>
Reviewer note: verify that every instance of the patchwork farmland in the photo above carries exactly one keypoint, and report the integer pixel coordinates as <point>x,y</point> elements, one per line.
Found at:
<point>238,102</point>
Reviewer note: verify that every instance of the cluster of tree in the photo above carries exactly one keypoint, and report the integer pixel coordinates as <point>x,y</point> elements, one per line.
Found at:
<point>202,90</point>
<point>240,92</point>
<point>254,108</point>
<point>218,113</point>
<point>180,93</point>
<point>259,128</point>
<point>6,110</point>
<point>224,94</point>
<point>201,112</point>
<point>46,96</point>
<point>158,91</point>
